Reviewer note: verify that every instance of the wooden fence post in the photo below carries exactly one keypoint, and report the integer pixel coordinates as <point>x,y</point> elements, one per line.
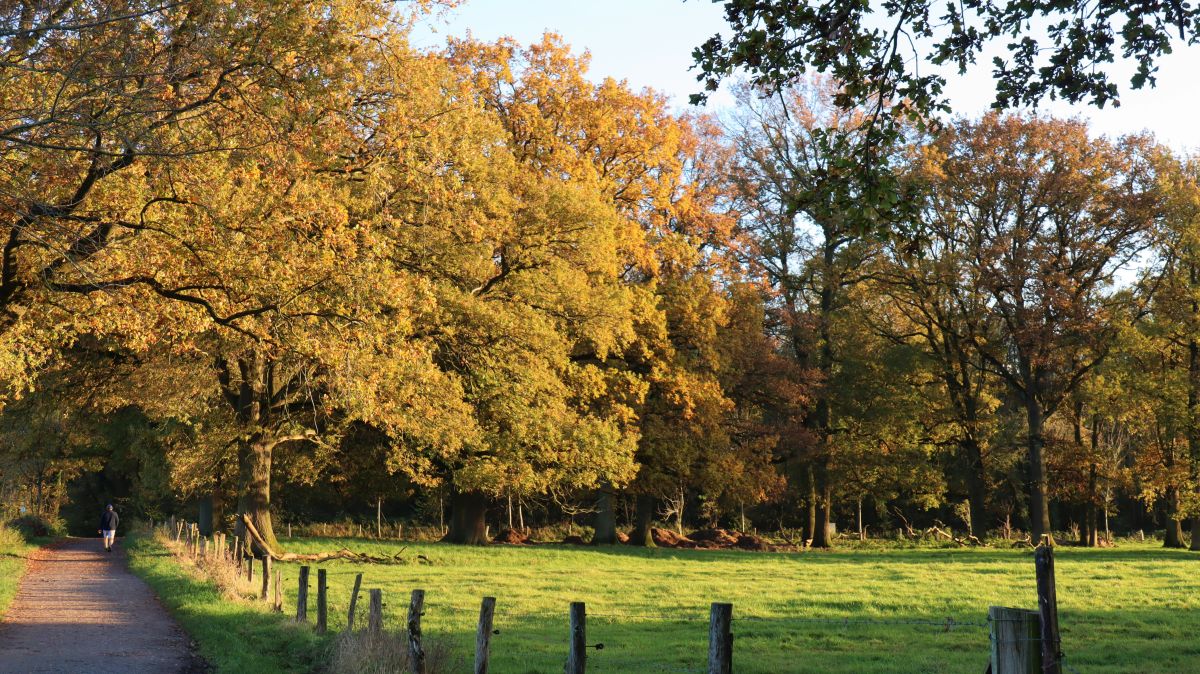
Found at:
<point>250,568</point>
<point>289,529</point>
<point>353,603</point>
<point>483,635</point>
<point>416,654</point>
<point>1016,640</point>
<point>1048,608</point>
<point>322,614</point>
<point>302,596</point>
<point>577,656</point>
<point>375,614</point>
<point>720,639</point>
<point>266,574</point>
<point>204,548</point>
<point>278,608</point>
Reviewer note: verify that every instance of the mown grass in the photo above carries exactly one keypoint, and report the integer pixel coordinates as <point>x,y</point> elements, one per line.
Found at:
<point>1128,609</point>
<point>14,554</point>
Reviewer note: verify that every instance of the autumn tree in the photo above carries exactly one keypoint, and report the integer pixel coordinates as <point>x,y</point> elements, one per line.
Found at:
<point>1174,328</point>
<point>807,242</point>
<point>1049,215</point>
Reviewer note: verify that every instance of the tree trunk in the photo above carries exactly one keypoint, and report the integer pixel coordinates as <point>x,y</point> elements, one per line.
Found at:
<point>1039,502</point>
<point>468,519</point>
<point>810,519</point>
<point>605,521</point>
<point>1173,536</point>
<point>643,521</point>
<point>976,485</point>
<point>861,535</point>
<point>254,481</point>
<point>824,505</point>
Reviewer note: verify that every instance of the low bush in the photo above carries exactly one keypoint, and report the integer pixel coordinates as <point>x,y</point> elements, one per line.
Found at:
<point>37,526</point>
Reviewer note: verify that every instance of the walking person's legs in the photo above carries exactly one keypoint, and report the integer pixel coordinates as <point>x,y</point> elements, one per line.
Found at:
<point>109,538</point>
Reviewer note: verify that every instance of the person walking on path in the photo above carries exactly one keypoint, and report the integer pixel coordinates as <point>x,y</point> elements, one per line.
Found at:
<point>108,527</point>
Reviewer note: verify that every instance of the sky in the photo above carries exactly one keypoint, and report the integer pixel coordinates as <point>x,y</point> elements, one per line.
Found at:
<point>649,43</point>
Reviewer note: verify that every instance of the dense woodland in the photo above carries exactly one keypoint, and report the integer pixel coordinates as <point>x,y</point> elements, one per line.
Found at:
<point>268,258</point>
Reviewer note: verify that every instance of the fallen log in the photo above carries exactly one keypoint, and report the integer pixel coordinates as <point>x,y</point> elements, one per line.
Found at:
<point>343,554</point>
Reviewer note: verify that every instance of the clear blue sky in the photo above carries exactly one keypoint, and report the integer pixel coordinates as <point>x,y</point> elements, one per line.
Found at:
<point>649,44</point>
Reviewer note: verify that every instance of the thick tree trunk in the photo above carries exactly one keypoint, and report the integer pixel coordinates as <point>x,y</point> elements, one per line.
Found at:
<point>643,520</point>
<point>810,505</point>
<point>254,481</point>
<point>605,522</point>
<point>824,505</point>
<point>1039,502</point>
<point>1091,521</point>
<point>468,519</point>
<point>976,485</point>
<point>1173,536</point>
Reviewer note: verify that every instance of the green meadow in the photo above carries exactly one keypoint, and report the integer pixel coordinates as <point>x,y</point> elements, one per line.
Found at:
<point>1127,609</point>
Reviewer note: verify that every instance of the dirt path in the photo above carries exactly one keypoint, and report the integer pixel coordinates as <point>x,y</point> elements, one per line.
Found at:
<point>79,609</point>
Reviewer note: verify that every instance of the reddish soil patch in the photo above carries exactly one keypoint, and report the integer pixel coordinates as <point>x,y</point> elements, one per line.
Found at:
<point>79,609</point>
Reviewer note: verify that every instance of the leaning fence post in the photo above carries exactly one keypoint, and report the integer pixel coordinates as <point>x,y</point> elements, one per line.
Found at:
<point>720,639</point>
<point>302,596</point>
<point>483,636</point>
<point>1016,644</point>
<point>375,614</point>
<point>322,614</point>
<point>1048,608</point>
<point>353,603</point>
<point>577,657</point>
<point>416,654</point>
<point>266,576</point>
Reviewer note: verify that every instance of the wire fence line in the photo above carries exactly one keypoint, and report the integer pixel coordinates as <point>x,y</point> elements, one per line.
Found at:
<point>948,624</point>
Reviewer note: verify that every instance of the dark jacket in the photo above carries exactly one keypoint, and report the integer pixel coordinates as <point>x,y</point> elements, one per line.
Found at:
<point>108,520</point>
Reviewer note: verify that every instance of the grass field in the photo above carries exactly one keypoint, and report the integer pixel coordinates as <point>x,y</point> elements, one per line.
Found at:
<point>1128,609</point>
<point>14,551</point>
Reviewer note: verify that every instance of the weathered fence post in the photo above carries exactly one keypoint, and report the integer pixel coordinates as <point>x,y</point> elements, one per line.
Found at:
<point>204,548</point>
<point>416,653</point>
<point>302,596</point>
<point>250,568</point>
<point>289,529</point>
<point>1016,644</point>
<point>483,635</point>
<point>577,656</point>
<point>266,574</point>
<point>720,639</point>
<point>278,607</point>
<point>375,614</point>
<point>322,614</point>
<point>353,603</point>
<point>1048,608</point>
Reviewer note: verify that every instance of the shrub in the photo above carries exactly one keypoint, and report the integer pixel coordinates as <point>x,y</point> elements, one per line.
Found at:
<point>10,537</point>
<point>37,526</point>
